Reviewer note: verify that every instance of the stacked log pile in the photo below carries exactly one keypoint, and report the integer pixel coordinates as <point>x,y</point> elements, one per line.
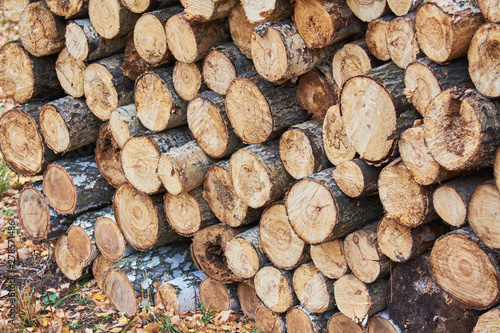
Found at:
<point>322,165</point>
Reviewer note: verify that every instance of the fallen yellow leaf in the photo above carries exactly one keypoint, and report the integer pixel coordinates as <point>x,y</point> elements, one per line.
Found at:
<point>116,330</point>
<point>99,297</point>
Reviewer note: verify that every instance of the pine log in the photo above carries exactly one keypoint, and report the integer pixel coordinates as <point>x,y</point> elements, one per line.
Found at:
<point>85,44</point>
<point>150,38</point>
<point>99,267</point>
<point>278,240</point>
<point>452,200</point>
<point>313,289</point>
<point>208,248</point>
<point>24,77</point>
<point>217,296</point>
<point>445,28</point>
<point>141,6</point>
<point>484,62</point>
<point>275,289</point>
<point>382,323</point>
<point>402,243</point>
<point>338,147</point>
<point>222,65</point>
<point>111,19</point>
<point>68,124</point>
<point>356,178</point>
<point>142,220</point>
<point>376,37</point>
<point>188,212</point>
<point>106,88</point>
<point>490,10</point>
<point>188,81</point>
<point>488,322</point>
<point>260,11</point>
<point>209,123</point>
<point>110,241</point>
<point>207,10</point>
<point>71,267</point>
<point>358,300</point>
<point>248,298</point>
<point>260,110</point>
<point>178,295</point>
<point>73,186</point>
<point>159,107</point>
<point>258,175</point>
<point>70,73</point>
<point>133,64</point>
<point>461,129</point>
<point>107,157</point>
<point>302,151</point>
<point>190,41</point>
<point>483,217</point>
<point>41,32</point>
<point>13,9</point>
<point>340,323</point>
<point>69,9</point>
<point>402,40</point>
<point>124,124</point>
<point>319,211</point>
<point>330,259</point>
<point>269,321</point>
<point>183,168</point>
<point>219,192</point>
<point>367,10</point>
<point>241,30</point>
<point>140,157</point>
<point>432,309</point>
<point>130,282</point>
<point>404,200</point>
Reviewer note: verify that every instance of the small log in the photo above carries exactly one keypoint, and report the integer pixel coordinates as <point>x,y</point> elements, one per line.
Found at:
<point>13,9</point>
<point>107,157</point>
<point>219,192</point>
<point>358,300</point>
<point>356,178</point>
<point>68,124</point>
<point>188,81</point>
<point>209,123</point>
<point>241,30</point>
<point>110,241</point>
<point>207,10</point>
<point>248,298</point>
<point>483,59</point>
<point>382,323</point>
<point>124,124</point>
<point>68,9</point>
<point>269,321</point>
<point>483,219</point>
<point>183,168</point>
<point>300,320</point>
<point>258,175</point>
<point>367,10</point>
<point>85,44</point>
<point>222,65</point>
<point>490,10</point>
<point>99,267</point>
<point>188,212</point>
<point>133,64</point>
<point>24,77</point>
<point>338,147</point>
<point>41,32</point>
<point>70,73</point>
<point>141,154</point>
<point>319,211</point>
<point>275,289</point>
<point>278,240</point>
<point>141,6</point>
<point>313,289</point>
<point>488,322</point>
<point>106,88</point>
<point>258,12</point>
<point>302,151</point>
<point>329,258</point>
<point>260,110</point>
<point>190,41</point>
<point>402,243</point>
<point>445,28</point>
<point>376,37</point>
<point>340,323</point>
<point>111,19</point>
<point>402,40</point>
<point>150,38</point>
<point>177,295</point>
<point>217,296</point>
<point>71,267</point>
<point>403,7</point>
<point>142,220</point>
<point>460,129</point>
<point>159,107</point>
<point>75,185</point>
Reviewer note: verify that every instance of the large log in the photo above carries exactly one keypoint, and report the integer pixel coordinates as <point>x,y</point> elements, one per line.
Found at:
<point>177,295</point>
<point>13,9</point>
<point>376,37</point>
<point>107,157</point>
<point>248,298</point>
<point>110,18</point>
<point>124,124</point>
<point>275,289</point>
<point>300,320</point>
<point>483,218</point>
<point>330,259</point>
<point>340,323</point>
<point>188,81</point>
<point>241,30</point>
<point>356,178</point>
<point>260,11</point>
<point>110,241</point>
<point>69,9</point>
<point>490,10</point>
<point>313,289</point>
<point>71,73</point>
<point>269,321</point>
<point>402,40</point>
<point>141,6</point>
<point>215,295</point>
<point>367,10</point>
<point>71,267</point>
<point>338,147</point>
<point>207,10</point>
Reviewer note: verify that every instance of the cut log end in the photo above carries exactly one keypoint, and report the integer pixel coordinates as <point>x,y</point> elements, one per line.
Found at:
<point>120,292</point>
<point>34,214</point>
<point>54,129</point>
<point>248,298</point>
<point>150,40</point>
<point>490,10</point>
<point>402,41</point>
<point>297,153</point>
<point>107,157</point>
<point>109,239</point>
<point>298,321</point>
<point>101,94</point>
<point>450,205</point>
<point>187,80</point>
<point>76,41</point>
<point>60,190</point>
<point>395,240</point>
<point>99,268</point>
<point>380,324</point>
<point>218,71</point>
<point>269,320</point>
<point>338,147</point>
<point>270,55</point>
<point>242,258</point>
<point>71,73</point>
<point>313,289</point>
<point>348,62</point>
<point>241,30</point>
<point>483,218</point>
<point>376,39</point>
<point>16,73</point>
<point>69,265</point>
<point>13,9</point>
<point>79,243</point>
<point>182,39</point>
<point>330,259</point>
<point>367,10</point>
<point>274,289</point>
<point>214,295</point>
<point>340,323</point>
<point>183,213</point>
<point>421,86</point>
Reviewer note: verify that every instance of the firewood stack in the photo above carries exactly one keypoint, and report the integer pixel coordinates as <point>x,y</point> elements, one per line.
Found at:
<point>288,158</point>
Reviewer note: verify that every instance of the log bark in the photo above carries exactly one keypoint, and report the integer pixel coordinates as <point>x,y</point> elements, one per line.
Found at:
<point>140,157</point>
<point>141,6</point>
<point>13,9</point>
<point>190,41</point>
<point>69,9</point>
<point>188,81</point>
<point>313,289</point>
<point>70,73</point>
<point>41,32</point>
<point>159,107</point>
<point>329,258</point>
<point>188,212</point>
<point>278,240</point>
<point>24,77</point>
<point>300,320</point>
<point>483,220</point>
<point>488,322</point>
<point>207,10</point>
<point>142,220</point>
<point>178,295</point>
<point>219,192</point>
<point>133,64</point>
<point>248,298</point>
<point>376,37</point>
<point>402,40</point>
<point>356,178</point>
<point>107,157</point>
<point>260,11</point>
<point>111,19</point>
<point>241,30</point>
<point>367,10</point>
<point>483,59</point>
<point>99,267</point>
<point>319,211</point>
<point>302,151</point>
<point>71,267</point>
<point>269,321</point>
<point>275,289</point>
<point>260,110</point>
<point>382,323</point>
<point>110,241</point>
<point>338,147</point>
<point>340,323</point>
<point>106,88</point>
<point>215,295</point>
<point>460,129</point>
<point>445,28</point>
<point>75,185</point>
<point>124,124</point>
<point>85,44</point>
<point>258,175</point>
<point>490,10</point>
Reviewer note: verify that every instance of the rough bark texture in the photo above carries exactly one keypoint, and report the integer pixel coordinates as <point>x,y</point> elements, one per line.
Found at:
<point>356,178</point>
<point>207,10</point>
<point>330,259</point>
<point>215,295</point>
<point>338,147</point>
<point>376,37</point>
<point>269,321</point>
<point>107,157</point>
<point>340,323</point>
<point>248,298</point>
<point>260,11</point>
<point>110,18</point>
<point>124,124</point>
<point>70,73</point>
<point>275,288</point>
<point>178,295</point>
<point>188,81</point>
<point>367,10</point>
<point>483,205</point>
<point>313,289</point>
<point>402,40</point>
<point>241,30</point>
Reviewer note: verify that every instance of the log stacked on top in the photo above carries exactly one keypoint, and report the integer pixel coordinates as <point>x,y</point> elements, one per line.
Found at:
<point>210,173</point>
